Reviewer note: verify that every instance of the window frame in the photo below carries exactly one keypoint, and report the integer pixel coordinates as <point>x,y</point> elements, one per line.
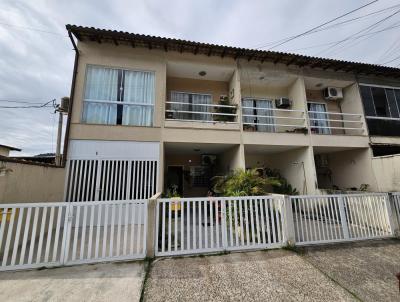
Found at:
<point>121,87</point>
<point>190,103</point>
<point>326,112</point>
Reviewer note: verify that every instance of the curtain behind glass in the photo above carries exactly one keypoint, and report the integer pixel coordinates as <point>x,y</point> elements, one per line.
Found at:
<point>138,90</point>
<point>101,85</point>
<point>248,119</point>
<point>180,97</point>
<point>264,108</point>
<point>201,99</point>
<point>320,114</point>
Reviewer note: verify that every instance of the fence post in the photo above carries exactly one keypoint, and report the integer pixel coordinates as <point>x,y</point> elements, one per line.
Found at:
<point>343,218</point>
<point>288,221</point>
<point>224,229</point>
<point>152,225</point>
<point>394,219</point>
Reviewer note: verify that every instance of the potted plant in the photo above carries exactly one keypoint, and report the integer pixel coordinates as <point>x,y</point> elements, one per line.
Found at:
<point>224,101</point>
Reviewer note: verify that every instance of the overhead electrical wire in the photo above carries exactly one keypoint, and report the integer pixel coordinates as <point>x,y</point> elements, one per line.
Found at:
<point>32,29</point>
<point>44,105</point>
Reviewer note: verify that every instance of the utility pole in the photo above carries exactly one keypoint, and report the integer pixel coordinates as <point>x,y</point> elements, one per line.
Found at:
<point>61,109</point>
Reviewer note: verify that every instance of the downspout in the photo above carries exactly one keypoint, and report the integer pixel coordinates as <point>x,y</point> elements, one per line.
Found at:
<point>71,100</point>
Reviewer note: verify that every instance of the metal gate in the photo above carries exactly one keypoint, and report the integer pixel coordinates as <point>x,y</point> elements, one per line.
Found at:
<point>54,234</point>
<point>199,225</point>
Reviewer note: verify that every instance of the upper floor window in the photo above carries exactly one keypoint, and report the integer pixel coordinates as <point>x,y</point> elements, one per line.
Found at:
<point>380,102</point>
<point>118,97</point>
<point>191,106</point>
<point>258,114</point>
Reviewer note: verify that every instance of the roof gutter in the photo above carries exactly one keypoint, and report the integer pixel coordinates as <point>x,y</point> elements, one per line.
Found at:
<point>71,98</point>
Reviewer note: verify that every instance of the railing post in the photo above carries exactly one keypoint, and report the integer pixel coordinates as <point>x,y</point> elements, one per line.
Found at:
<point>394,219</point>
<point>343,219</point>
<point>288,221</point>
<point>224,229</point>
<point>152,226</point>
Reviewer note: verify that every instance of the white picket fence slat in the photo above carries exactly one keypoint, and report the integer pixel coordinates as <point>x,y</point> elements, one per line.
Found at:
<point>55,234</point>
<point>396,202</point>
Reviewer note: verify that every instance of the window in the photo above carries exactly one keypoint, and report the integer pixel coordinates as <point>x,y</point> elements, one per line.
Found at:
<point>193,106</point>
<point>318,118</point>
<point>259,113</point>
<point>118,97</point>
<point>380,102</point>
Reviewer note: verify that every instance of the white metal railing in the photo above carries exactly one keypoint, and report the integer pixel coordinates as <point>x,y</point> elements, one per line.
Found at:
<point>349,123</point>
<point>273,119</point>
<point>53,234</point>
<point>206,113</point>
<point>331,218</point>
<point>198,225</point>
<point>396,208</point>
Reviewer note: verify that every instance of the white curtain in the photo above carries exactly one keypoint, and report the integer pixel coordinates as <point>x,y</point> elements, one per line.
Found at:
<point>180,97</point>
<point>264,108</point>
<point>201,99</point>
<point>101,85</point>
<point>248,119</point>
<point>139,90</point>
<point>321,116</point>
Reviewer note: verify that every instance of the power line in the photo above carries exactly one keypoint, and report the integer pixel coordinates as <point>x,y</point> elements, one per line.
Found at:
<point>44,105</point>
<point>32,29</point>
<point>321,25</point>
<point>21,102</point>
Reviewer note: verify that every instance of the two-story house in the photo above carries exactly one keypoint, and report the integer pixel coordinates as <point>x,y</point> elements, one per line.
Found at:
<point>152,114</point>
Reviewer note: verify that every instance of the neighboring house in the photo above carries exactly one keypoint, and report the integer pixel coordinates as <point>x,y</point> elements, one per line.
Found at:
<point>150,114</point>
<point>5,150</point>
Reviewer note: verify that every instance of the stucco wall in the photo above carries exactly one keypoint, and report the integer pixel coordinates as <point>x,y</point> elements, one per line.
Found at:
<point>387,172</point>
<point>4,151</point>
<point>30,183</point>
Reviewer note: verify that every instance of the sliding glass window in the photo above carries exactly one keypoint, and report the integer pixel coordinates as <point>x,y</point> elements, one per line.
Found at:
<point>118,97</point>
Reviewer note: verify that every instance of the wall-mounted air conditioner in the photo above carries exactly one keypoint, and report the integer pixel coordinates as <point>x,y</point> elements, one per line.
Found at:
<point>333,93</point>
<point>283,103</point>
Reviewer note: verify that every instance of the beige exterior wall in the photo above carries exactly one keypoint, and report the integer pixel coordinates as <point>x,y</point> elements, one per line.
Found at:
<point>387,172</point>
<point>31,183</point>
<point>4,151</point>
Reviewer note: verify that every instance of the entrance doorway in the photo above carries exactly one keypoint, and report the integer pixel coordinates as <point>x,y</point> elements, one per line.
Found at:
<point>175,179</point>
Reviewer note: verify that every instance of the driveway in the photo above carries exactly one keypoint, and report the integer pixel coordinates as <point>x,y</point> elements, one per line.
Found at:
<point>101,282</point>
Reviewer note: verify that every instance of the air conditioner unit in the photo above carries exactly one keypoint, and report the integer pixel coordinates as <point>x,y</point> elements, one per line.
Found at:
<point>333,93</point>
<point>283,103</point>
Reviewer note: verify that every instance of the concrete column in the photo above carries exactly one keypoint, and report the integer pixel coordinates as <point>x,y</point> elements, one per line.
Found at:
<point>288,222</point>
<point>152,225</point>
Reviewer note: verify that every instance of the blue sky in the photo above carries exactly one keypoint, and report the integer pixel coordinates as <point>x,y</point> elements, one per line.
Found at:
<point>36,66</point>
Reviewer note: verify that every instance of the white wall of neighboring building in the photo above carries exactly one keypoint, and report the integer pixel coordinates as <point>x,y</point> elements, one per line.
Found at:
<point>387,172</point>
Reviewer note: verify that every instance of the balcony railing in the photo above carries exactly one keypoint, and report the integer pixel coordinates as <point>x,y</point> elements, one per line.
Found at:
<point>273,120</point>
<point>206,113</point>
<point>335,123</point>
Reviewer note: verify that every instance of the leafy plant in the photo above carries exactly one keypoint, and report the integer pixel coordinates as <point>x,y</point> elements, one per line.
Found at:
<point>172,192</point>
<point>284,187</point>
<point>224,101</point>
<point>242,183</point>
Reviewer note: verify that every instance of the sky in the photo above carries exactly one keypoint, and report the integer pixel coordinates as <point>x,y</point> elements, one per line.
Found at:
<point>36,56</point>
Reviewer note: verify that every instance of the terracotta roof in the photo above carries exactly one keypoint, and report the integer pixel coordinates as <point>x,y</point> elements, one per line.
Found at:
<point>169,44</point>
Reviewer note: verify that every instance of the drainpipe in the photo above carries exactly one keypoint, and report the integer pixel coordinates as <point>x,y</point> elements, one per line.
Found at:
<point>71,98</point>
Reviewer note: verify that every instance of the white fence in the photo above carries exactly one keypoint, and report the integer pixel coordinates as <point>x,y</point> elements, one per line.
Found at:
<point>198,225</point>
<point>396,208</point>
<point>331,218</point>
<point>53,234</point>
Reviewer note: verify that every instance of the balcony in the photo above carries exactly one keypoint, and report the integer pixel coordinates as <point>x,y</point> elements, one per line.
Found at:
<point>336,123</point>
<point>273,120</point>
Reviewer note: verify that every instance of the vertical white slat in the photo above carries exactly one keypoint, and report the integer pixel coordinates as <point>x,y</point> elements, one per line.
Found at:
<point>144,237</point>
<point>246,215</point>
<point>163,222</point>
<point>126,226</point>
<point>17,236</point>
<point>25,238</point>
<point>139,230</point>
<point>112,227</point>
<point>230,222</point>
<point>357,220</point>
<point>241,222</point>
<point>133,223</point>
<point>169,225</point>
<point>9,234</point>
<point>153,177</point>
<point>256,203</point>
<point>205,224</point>
<point>342,211</point>
<point>106,181</point>
<point>322,217</point>
<point>217,220</point>
<point>119,230</point>
<point>335,202</point>
<point>93,181</point>
<point>98,228</point>
<point>293,203</point>
<point>278,218</point>
<point>60,211</point>
<point>49,235</point>
<point>83,231</point>
<point>300,209</point>
<point>330,217</point>
<point>379,229</point>
<point>119,183</point>
<point>80,195</point>
<point>137,179</point>
<point>157,239</point>
<point>211,202</point>
<point>361,217</point>
<point>365,206</point>
<point>188,225</point>
<point>105,230</point>
<point>175,225</point>
<point>67,230</point>
<point>141,180</point>
<point>267,220</point>
<point>91,225</point>
<point>262,201</point>
<point>33,236</point>
<point>381,221</point>
<point>252,222</point>
<point>272,211</point>
<point>307,226</point>
<point>182,229</point>
<point>74,177</point>
<point>194,225</point>
<point>84,181</point>
<point>236,222</point>
<point>76,232</point>
<point>313,230</point>
<point>315,223</point>
<point>146,189</point>
<point>124,177</point>
<point>199,225</point>
<point>113,186</point>
<point>129,181</point>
